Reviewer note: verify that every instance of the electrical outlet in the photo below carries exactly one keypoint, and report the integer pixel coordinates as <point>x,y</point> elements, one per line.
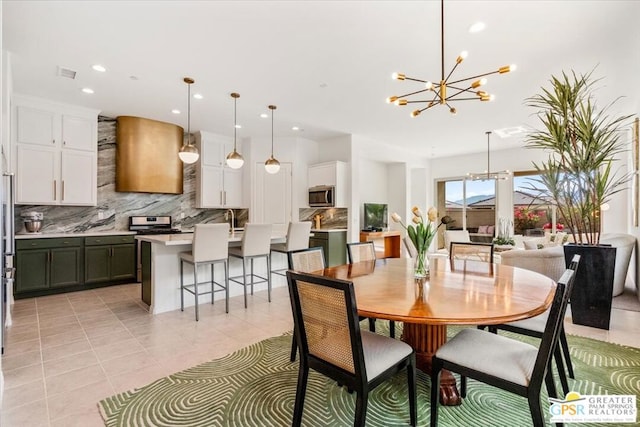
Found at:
<point>100,215</point>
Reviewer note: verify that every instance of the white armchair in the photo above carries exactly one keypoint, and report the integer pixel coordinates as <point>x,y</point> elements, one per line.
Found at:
<point>455,236</point>
<point>624,244</point>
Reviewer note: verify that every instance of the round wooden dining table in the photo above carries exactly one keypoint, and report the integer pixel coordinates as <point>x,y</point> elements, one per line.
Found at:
<point>457,292</point>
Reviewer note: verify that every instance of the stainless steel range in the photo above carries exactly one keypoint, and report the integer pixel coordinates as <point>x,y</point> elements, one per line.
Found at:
<point>152,225</point>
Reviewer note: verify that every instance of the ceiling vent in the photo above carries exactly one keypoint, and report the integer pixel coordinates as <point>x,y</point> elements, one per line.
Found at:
<point>66,72</point>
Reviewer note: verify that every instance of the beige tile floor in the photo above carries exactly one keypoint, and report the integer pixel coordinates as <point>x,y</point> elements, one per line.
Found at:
<point>66,352</point>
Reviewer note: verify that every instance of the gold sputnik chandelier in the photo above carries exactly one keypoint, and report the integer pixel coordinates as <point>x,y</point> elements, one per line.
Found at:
<point>446,90</point>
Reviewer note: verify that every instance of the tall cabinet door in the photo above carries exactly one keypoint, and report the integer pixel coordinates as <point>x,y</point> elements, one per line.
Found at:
<point>232,188</point>
<point>78,175</point>
<point>211,191</point>
<point>36,183</point>
<point>273,196</point>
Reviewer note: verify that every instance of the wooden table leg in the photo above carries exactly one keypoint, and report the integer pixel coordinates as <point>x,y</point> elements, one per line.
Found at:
<point>425,340</point>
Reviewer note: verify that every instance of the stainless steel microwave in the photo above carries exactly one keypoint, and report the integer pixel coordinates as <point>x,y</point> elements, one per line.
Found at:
<point>322,196</point>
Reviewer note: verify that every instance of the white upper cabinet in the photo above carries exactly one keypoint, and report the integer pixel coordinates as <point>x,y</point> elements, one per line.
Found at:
<point>217,185</point>
<point>332,174</point>
<point>54,152</point>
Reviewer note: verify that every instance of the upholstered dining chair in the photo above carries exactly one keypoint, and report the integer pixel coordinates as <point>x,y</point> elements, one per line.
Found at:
<point>472,251</point>
<point>534,327</point>
<point>305,261</point>
<point>331,343</point>
<point>256,243</point>
<point>503,362</point>
<point>297,238</point>
<point>210,247</point>
<point>365,251</point>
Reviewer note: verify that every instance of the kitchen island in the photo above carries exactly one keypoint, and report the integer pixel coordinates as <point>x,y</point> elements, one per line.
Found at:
<point>161,270</point>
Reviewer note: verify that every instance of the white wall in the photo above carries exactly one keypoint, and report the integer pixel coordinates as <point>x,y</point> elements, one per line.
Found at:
<point>373,188</point>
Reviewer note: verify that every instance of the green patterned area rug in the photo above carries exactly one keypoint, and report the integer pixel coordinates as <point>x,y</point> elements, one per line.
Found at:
<point>256,386</point>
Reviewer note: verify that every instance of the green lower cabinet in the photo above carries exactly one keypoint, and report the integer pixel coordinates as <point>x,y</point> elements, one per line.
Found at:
<point>96,264</point>
<point>54,265</point>
<point>109,259</point>
<point>334,244</point>
<point>43,265</point>
<point>65,267</point>
<point>32,268</point>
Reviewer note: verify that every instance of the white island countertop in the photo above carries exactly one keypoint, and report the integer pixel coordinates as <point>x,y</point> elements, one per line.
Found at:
<point>187,238</point>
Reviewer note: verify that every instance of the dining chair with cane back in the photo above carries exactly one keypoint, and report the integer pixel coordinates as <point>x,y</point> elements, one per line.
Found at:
<point>503,362</point>
<point>365,251</point>
<point>331,342</point>
<point>305,261</point>
<point>475,251</point>
<point>534,327</point>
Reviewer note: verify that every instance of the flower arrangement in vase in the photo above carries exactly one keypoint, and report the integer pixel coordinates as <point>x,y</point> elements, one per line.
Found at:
<point>421,234</point>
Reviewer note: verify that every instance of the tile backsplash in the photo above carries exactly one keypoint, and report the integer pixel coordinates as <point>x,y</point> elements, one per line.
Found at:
<point>331,218</point>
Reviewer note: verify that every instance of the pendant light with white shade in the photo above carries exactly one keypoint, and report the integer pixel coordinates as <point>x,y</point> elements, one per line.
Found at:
<point>188,153</point>
<point>235,159</point>
<point>272,165</point>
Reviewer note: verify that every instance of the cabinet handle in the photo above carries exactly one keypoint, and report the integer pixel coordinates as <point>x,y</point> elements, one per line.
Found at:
<point>221,197</point>
<point>62,191</point>
<point>64,142</point>
<point>225,197</point>
<point>54,141</point>
<point>55,195</point>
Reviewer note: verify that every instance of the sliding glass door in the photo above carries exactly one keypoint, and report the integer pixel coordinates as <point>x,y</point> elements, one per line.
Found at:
<point>470,205</point>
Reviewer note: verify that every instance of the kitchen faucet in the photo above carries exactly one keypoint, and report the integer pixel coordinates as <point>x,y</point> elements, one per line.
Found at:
<point>226,218</point>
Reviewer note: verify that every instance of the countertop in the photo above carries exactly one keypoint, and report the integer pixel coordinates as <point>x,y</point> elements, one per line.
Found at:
<point>187,238</point>
<point>85,234</point>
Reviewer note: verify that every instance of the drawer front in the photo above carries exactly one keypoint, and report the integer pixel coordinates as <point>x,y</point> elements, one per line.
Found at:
<point>48,243</point>
<point>109,240</point>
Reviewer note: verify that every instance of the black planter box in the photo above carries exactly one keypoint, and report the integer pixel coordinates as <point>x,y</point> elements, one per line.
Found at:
<point>593,287</point>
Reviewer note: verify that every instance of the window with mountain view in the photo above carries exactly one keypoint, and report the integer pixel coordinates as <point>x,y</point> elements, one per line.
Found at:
<point>472,206</point>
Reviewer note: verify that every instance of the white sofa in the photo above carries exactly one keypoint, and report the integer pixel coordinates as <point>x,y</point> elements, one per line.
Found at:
<point>547,261</point>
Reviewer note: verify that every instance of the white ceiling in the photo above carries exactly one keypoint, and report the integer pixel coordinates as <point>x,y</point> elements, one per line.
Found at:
<point>325,64</point>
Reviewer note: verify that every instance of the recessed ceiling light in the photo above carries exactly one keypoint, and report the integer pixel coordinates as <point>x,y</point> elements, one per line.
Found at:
<point>477,27</point>
<point>87,90</point>
<point>98,67</point>
<point>198,96</point>
<point>264,115</point>
<point>295,128</point>
<point>238,126</point>
<point>175,111</point>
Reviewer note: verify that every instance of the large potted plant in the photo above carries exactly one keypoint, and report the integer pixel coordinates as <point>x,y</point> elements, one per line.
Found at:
<point>579,176</point>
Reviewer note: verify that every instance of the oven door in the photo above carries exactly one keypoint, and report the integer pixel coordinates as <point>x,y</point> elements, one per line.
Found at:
<point>321,197</point>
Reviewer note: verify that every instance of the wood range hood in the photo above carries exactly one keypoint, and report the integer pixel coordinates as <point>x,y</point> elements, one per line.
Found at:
<point>147,156</point>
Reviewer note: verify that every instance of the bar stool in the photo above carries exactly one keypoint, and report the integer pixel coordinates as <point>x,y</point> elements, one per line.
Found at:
<point>256,243</point>
<point>297,238</point>
<point>210,247</point>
